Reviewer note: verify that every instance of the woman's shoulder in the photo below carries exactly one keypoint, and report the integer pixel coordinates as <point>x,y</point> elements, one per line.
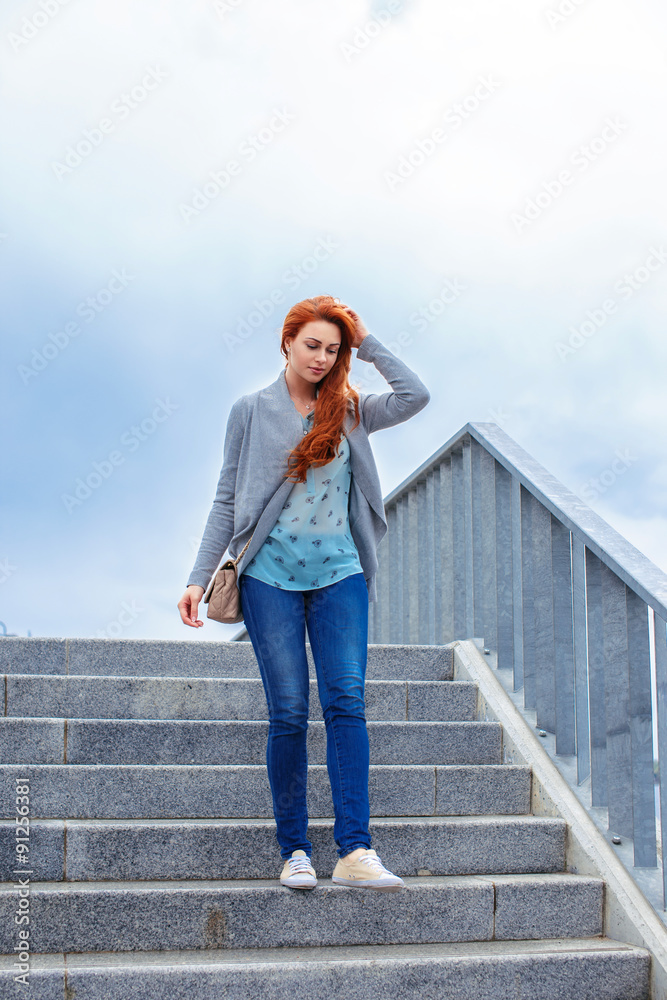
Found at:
<point>239,407</point>
<point>244,406</point>
<point>251,399</point>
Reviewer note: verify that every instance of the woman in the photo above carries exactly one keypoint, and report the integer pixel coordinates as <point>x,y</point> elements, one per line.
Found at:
<point>299,479</point>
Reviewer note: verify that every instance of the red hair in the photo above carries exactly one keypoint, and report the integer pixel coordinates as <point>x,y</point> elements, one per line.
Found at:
<point>336,395</point>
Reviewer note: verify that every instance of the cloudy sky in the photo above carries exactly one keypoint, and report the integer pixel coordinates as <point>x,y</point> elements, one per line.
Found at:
<point>487,179</point>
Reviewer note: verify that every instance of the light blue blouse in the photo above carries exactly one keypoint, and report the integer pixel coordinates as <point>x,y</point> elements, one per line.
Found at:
<point>310,545</point>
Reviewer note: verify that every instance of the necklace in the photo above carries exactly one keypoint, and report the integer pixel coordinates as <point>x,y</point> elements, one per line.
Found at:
<point>307,405</point>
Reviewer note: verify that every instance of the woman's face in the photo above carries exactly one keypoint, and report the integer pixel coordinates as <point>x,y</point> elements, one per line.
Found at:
<point>314,350</point>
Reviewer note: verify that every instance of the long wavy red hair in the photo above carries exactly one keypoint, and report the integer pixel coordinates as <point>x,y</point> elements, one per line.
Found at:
<point>336,395</point>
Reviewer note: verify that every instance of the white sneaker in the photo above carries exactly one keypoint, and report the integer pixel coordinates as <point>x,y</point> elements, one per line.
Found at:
<point>365,871</point>
<point>298,873</point>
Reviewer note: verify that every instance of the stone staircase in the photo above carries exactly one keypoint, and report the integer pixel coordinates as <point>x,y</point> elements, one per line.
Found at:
<point>155,864</point>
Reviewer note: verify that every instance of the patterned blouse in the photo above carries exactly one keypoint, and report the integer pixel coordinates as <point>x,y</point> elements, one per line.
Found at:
<point>310,546</point>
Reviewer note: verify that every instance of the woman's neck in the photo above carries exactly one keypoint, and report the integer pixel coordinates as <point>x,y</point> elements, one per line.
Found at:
<point>300,388</point>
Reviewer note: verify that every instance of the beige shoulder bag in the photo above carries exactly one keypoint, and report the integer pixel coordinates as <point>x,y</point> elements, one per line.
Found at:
<point>222,594</point>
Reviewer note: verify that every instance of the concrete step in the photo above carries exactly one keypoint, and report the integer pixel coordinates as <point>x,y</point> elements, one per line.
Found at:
<point>122,916</point>
<point>119,741</point>
<point>80,850</point>
<point>119,791</point>
<point>191,658</point>
<point>555,969</point>
<point>111,697</point>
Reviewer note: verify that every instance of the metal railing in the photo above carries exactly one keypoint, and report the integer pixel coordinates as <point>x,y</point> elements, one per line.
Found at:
<point>483,541</point>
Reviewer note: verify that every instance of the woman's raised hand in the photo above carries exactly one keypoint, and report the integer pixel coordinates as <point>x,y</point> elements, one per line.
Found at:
<point>360,331</point>
<point>188,605</point>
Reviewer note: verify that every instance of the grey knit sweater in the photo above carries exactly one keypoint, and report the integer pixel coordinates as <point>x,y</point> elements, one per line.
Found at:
<point>263,428</point>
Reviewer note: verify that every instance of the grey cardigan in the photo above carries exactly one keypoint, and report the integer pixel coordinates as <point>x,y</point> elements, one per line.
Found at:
<point>263,428</point>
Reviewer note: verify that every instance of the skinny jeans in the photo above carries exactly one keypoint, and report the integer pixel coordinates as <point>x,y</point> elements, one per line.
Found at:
<point>336,617</point>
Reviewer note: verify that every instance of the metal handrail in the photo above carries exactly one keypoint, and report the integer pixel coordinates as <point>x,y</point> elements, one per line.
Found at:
<point>483,541</point>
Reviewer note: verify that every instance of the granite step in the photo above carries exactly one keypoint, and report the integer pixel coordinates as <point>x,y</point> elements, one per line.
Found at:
<point>120,741</point>
<point>180,791</point>
<point>80,850</point>
<point>166,882</point>
<point>554,969</point>
<point>112,697</point>
<point>150,657</point>
<point>156,916</point>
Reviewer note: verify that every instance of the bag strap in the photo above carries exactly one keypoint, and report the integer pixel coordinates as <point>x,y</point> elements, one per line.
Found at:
<point>243,549</point>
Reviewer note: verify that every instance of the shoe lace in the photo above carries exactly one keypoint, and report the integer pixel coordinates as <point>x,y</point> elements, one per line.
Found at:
<point>373,862</point>
<point>300,865</point>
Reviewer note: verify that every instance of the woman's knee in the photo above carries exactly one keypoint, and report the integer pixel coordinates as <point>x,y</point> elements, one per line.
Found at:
<point>289,716</point>
<point>345,705</point>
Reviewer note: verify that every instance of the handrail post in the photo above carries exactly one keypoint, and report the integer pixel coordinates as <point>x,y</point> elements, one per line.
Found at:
<point>596,696</point>
<point>660,646</point>
<point>545,694</point>
<point>617,703</point>
<point>580,664</point>
<point>518,609</point>
<point>641,734</point>
<point>561,558</point>
<point>528,598</point>
<point>503,571</point>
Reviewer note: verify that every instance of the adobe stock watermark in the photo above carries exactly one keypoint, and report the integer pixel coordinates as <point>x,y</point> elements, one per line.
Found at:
<point>130,440</point>
<point>366,33</point>
<point>597,486</point>
<point>625,287</point>
<point>121,108</point>
<point>127,616</point>
<point>497,415</point>
<point>455,116</point>
<point>22,884</point>
<point>562,11</point>
<point>224,7</point>
<point>248,151</point>
<point>581,159</point>
<point>195,542</point>
<point>38,20</point>
<point>88,310</point>
<point>450,292</point>
<point>292,278</point>
<point>7,570</point>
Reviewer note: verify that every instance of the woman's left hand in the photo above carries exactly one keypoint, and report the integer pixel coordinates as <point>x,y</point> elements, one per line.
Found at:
<point>360,331</point>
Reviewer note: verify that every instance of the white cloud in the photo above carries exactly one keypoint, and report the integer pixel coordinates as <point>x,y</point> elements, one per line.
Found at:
<point>493,350</point>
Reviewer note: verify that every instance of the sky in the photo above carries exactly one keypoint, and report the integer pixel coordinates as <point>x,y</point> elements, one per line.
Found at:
<point>484,181</point>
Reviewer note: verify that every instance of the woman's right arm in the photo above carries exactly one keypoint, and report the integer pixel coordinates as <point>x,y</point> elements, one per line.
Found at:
<point>219,528</point>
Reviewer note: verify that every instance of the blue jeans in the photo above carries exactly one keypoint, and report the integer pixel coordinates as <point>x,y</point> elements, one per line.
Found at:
<point>337,620</point>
